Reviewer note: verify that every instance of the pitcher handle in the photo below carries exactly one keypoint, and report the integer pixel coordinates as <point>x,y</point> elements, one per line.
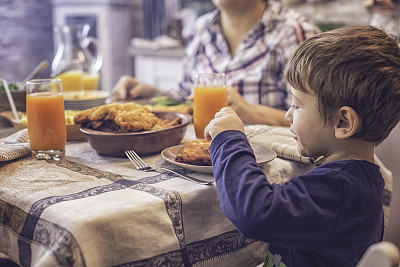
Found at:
<point>97,58</point>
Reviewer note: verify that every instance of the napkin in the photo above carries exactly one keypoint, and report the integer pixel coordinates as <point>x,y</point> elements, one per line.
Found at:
<point>14,151</point>
<point>279,139</point>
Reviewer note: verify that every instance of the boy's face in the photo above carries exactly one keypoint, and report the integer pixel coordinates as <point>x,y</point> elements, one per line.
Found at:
<point>314,138</point>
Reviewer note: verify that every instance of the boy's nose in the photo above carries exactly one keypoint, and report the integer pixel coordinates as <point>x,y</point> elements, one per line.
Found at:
<point>288,115</point>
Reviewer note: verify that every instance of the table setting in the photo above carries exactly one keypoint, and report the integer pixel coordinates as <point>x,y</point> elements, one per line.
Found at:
<point>120,197</point>
<point>94,210</point>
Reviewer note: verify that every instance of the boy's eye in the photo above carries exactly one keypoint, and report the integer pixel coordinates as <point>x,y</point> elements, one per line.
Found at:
<point>293,106</point>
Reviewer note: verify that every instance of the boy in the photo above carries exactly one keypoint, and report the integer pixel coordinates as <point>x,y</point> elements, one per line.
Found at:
<point>346,99</point>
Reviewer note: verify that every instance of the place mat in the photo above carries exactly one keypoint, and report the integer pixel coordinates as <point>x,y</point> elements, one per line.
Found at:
<point>14,151</point>
<point>279,139</point>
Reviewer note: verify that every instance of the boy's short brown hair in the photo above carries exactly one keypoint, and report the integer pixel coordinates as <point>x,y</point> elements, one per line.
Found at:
<point>356,66</point>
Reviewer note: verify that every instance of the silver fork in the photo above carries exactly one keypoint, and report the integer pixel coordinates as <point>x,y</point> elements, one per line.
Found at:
<point>140,165</point>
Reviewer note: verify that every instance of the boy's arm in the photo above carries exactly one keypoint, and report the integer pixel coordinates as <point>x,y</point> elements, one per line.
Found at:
<point>263,211</point>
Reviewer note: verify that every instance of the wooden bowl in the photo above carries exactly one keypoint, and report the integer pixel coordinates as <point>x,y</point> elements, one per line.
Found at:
<point>73,132</point>
<point>19,97</point>
<point>143,143</point>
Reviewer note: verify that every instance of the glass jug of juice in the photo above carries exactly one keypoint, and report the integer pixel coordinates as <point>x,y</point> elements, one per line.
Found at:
<point>78,58</point>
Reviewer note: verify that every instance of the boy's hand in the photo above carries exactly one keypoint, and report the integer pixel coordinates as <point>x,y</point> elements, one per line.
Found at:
<point>225,119</point>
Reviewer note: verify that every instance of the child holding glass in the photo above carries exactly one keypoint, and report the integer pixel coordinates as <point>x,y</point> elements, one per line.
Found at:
<point>346,100</point>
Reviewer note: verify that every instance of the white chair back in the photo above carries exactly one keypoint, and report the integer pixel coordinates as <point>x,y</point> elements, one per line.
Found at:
<point>382,254</point>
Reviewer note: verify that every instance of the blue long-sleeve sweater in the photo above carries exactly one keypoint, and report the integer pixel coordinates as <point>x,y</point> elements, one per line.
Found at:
<point>326,217</point>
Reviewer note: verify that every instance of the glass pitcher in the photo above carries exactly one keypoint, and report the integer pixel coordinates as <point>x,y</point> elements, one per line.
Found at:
<point>78,59</point>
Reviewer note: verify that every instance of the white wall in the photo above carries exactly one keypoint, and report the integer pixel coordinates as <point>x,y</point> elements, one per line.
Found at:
<point>25,37</point>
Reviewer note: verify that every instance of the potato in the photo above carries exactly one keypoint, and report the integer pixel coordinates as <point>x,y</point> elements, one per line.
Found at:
<point>69,117</point>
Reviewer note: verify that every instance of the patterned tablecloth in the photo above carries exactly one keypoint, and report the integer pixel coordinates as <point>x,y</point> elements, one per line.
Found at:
<point>92,210</point>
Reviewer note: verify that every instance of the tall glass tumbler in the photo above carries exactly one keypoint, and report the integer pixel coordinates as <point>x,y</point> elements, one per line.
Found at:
<point>210,95</point>
<point>46,118</point>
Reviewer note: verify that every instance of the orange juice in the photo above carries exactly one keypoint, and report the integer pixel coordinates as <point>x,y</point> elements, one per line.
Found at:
<point>208,100</point>
<point>46,121</point>
<point>71,80</point>
<point>90,81</point>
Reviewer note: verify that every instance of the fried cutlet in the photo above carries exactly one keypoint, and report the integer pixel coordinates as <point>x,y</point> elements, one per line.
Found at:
<point>122,118</point>
<point>135,120</point>
<point>104,112</point>
<point>196,152</point>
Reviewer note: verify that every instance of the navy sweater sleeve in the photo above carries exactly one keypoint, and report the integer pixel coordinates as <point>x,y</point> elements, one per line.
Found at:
<point>305,209</point>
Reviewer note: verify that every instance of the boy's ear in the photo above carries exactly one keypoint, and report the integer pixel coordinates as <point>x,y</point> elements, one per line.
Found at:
<point>347,123</point>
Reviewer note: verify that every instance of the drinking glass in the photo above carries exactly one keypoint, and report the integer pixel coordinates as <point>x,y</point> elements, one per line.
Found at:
<point>210,95</point>
<point>46,118</point>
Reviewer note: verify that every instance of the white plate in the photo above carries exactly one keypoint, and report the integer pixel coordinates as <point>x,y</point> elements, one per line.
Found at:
<point>81,100</point>
<point>262,154</point>
<point>77,96</point>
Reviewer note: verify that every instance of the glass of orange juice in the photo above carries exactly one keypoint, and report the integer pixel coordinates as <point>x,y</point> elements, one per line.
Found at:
<point>210,95</point>
<point>46,118</point>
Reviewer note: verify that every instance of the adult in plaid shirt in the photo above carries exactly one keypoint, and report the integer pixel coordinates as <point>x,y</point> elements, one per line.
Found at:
<point>250,41</point>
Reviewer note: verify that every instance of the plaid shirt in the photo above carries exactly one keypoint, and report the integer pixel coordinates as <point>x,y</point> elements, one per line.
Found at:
<point>257,69</point>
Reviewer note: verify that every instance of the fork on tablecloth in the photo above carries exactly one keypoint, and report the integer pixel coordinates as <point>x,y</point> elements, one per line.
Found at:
<point>140,165</point>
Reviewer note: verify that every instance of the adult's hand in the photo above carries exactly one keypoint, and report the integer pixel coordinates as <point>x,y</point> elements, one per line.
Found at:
<point>255,114</point>
<point>242,108</point>
<point>129,87</point>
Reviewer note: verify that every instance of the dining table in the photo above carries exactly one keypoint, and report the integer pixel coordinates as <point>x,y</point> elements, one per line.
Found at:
<point>89,209</point>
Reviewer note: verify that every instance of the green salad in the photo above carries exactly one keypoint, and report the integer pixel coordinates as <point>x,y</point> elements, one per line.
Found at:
<point>13,86</point>
<point>169,101</point>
